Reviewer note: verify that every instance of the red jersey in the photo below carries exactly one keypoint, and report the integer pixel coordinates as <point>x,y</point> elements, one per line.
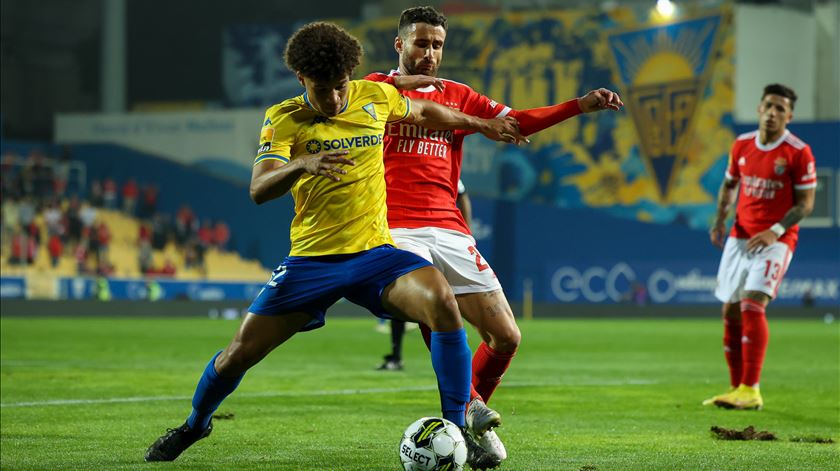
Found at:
<point>769,175</point>
<point>422,166</point>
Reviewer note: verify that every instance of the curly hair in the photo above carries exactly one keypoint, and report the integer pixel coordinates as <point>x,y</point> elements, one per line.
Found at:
<point>323,51</point>
<point>781,90</point>
<point>426,15</point>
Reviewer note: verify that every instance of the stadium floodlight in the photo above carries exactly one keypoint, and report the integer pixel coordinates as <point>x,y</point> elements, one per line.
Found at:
<point>665,8</point>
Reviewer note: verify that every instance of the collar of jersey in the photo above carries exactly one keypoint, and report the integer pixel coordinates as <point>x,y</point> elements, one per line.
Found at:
<point>306,100</point>
<point>770,145</point>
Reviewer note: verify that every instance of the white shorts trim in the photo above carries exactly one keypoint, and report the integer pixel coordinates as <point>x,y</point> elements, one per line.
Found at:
<point>454,254</point>
<point>741,271</point>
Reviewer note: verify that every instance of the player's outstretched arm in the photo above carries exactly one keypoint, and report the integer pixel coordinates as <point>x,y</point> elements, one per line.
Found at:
<point>600,99</point>
<point>407,82</point>
<point>803,204</point>
<point>536,119</point>
<point>726,198</point>
<point>273,178</point>
<point>429,114</point>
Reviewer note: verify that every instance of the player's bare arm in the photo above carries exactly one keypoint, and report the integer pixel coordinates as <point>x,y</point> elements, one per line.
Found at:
<point>600,99</point>
<point>413,82</point>
<point>431,115</point>
<point>465,206</point>
<point>725,202</point>
<point>802,207</point>
<point>272,179</point>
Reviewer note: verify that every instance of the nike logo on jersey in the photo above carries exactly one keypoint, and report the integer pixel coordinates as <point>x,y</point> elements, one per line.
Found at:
<point>742,160</point>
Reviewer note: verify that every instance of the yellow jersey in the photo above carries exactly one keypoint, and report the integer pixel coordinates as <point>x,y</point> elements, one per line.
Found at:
<point>350,215</point>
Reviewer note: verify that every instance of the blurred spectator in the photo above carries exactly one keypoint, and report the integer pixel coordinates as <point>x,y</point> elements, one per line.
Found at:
<point>221,235</point>
<point>61,172</point>
<point>129,194</point>
<point>87,215</point>
<point>159,232</point>
<point>81,255</point>
<point>41,174</point>
<point>54,220</point>
<point>103,238</point>
<point>34,233</point>
<point>145,257</point>
<point>144,233</point>
<point>26,212</point>
<point>205,233</point>
<point>185,224</point>
<point>194,254</point>
<point>11,215</point>
<point>74,220</point>
<point>22,249</point>
<point>109,193</point>
<point>97,194</point>
<point>55,248</point>
<point>168,268</point>
<point>148,204</point>
<point>105,268</point>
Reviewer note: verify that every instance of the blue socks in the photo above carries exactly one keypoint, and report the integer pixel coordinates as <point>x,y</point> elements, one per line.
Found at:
<point>452,361</point>
<point>212,389</point>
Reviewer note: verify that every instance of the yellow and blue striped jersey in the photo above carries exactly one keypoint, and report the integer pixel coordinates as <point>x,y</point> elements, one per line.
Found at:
<point>342,217</point>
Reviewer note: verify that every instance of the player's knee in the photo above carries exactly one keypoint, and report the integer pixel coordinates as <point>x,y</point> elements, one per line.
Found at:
<point>443,313</point>
<point>757,296</point>
<point>236,359</point>
<point>508,340</point>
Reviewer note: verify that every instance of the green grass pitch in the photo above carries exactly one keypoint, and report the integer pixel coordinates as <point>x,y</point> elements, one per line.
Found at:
<point>87,393</point>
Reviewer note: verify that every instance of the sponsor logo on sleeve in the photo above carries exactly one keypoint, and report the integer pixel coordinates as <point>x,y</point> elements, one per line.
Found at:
<point>267,135</point>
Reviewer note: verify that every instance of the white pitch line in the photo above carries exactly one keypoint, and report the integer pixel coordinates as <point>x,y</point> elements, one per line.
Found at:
<point>325,392</point>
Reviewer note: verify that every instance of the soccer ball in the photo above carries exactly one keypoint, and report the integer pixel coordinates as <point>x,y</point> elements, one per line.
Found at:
<point>432,443</point>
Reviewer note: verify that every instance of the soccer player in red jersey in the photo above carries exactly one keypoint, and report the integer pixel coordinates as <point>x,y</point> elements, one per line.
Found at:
<point>422,168</point>
<point>778,180</point>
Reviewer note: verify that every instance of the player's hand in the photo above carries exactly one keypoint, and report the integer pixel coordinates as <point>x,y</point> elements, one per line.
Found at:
<point>718,234</point>
<point>413,82</point>
<point>505,130</point>
<point>326,164</point>
<point>600,99</point>
<point>759,241</point>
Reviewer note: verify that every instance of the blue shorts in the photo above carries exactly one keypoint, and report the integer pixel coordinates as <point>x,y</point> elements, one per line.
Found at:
<point>313,284</point>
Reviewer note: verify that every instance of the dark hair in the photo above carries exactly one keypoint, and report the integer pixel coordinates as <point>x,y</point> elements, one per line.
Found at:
<point>323,52</point>
<point>426,15</point>
<point>781,90</point>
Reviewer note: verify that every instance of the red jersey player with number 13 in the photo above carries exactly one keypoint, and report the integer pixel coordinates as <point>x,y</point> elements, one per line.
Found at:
<point>422,168</point>
<point>778,182</point>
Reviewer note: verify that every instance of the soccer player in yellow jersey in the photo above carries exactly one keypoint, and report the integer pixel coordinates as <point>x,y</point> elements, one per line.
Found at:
<point>325,146</point>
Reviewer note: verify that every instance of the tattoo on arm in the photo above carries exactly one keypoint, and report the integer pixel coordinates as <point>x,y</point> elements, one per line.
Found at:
<point>793,216</point>
<point>726,197</point>
<point>802,206</point>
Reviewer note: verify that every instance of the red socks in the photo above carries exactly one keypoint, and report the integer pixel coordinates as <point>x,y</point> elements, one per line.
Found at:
<point>488,367</point>
<point>754,340</point>
<point>732,349</point>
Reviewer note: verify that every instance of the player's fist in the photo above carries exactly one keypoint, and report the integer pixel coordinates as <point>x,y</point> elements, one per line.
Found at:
<point>504,129</point>
<point>600,99</point>
<point>413,82</point>
<point>326,164</point>
<point>717,234</point>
